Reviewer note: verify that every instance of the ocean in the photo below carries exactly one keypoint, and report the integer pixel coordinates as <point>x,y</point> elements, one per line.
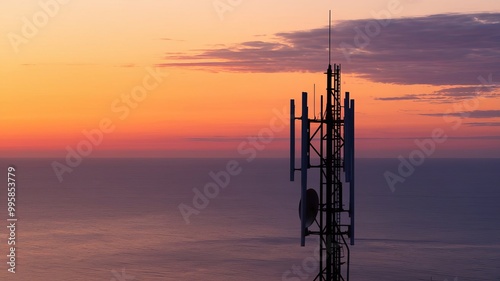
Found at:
<point>120,219</point>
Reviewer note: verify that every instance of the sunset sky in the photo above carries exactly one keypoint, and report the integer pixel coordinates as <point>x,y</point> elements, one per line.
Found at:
<point>191,78</point>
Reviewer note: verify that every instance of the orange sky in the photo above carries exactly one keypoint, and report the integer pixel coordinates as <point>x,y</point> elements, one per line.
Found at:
<point>84,63</point>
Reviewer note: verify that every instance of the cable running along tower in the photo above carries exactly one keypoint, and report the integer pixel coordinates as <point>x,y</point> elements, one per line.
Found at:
<point>327,145</point>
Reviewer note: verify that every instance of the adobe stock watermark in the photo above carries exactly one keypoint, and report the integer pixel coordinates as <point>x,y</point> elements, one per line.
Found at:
<point>223,6</point>
<point>32,25</point>
<point>121,276</point>
<point>372,29</point>
<point>222,178</point>
<point>307,269</point>
<point>426,147</point>
<point>122,107</point>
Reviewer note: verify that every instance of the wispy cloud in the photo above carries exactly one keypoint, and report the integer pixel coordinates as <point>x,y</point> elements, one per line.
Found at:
<point>214,139</point>
<point>171,39</point>
<point>446,49</point>
<point>483,124</point>
<point>425,137</point>
<point>469,114</point>
<point>399,98</point>
<point>225,139</point>
<point>449,94</point>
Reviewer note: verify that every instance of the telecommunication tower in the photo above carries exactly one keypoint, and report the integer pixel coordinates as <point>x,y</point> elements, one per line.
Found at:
<point>327,210</point>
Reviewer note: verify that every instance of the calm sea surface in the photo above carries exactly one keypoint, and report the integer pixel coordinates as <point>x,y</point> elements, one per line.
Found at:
<point>119,219</point>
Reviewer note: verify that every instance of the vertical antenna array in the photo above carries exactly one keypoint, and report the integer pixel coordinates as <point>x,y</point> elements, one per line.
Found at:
<point>329,37</point>
<point>330,140</point>
<point>314,100</point>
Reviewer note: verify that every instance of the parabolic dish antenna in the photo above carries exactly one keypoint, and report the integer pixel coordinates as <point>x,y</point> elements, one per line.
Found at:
<point>312,203</point>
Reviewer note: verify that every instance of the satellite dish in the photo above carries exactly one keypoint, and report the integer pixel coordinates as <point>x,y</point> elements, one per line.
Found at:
<point>312,203</point>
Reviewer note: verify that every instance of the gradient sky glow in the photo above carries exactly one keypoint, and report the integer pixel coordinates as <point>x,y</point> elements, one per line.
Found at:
<point>228,74</point>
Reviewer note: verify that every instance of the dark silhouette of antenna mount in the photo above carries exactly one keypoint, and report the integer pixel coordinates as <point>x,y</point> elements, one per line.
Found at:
<point>330,139</point>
